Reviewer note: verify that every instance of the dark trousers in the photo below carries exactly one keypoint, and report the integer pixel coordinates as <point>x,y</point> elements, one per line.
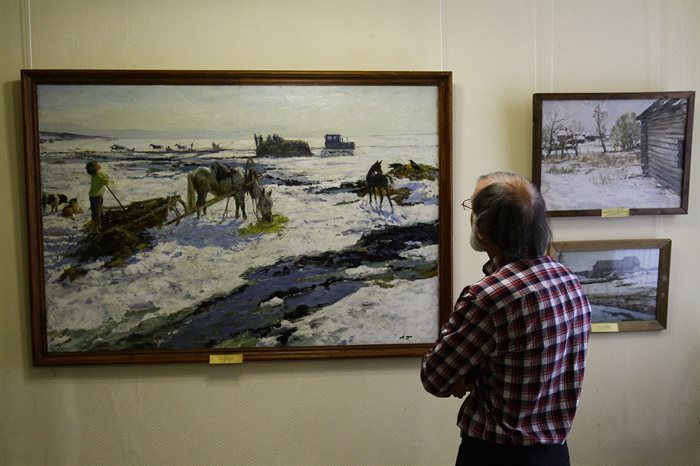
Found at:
<point>96,211</point>
<point>473,452</point>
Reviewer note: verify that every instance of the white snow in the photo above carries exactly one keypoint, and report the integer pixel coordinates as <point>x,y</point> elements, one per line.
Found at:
<point>582,183</point>
<point>639,283</point>
<point>204,258</point>
<point>372,315</point>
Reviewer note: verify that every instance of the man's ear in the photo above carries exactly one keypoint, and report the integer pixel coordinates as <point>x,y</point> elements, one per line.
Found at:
<point>480,236</point>
<point>477,232</point>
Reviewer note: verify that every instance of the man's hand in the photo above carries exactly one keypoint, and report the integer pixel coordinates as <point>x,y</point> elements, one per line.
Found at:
<point>460,388</point>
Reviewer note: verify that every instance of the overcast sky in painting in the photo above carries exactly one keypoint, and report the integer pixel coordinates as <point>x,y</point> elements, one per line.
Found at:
<point>236,111</point>
<point>582,110</point>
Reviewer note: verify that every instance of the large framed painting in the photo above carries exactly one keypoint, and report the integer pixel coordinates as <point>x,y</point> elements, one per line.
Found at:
<point>626,281</point>
<point>214,216</point>
<point>613,155</point>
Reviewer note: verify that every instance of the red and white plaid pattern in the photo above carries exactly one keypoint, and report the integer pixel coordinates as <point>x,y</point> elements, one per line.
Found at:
<point>520,334</point>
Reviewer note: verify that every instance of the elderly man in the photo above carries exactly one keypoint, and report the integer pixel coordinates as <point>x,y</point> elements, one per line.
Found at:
<point>516,339</point>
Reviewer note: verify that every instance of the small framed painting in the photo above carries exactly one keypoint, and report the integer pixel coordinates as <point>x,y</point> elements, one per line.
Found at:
<point>199,216</point>
<point>613,155</point>
<point>626,281</point>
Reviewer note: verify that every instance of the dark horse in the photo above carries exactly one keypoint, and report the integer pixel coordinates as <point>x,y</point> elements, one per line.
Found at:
<point>378,182</point>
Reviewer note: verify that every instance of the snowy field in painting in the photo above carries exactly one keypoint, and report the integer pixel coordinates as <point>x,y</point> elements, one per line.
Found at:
<point>597,181</point>
<point>618,296</point>
<point>638,288</point>
<point>169,287</point>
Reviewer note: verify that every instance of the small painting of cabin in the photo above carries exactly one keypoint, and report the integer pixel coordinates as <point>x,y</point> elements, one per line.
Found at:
<point>663,144</point>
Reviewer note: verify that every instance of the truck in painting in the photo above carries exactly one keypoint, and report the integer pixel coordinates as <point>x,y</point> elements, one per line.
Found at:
<point>336,145</point>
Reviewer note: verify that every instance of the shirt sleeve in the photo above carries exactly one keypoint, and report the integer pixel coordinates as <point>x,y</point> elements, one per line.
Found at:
<point>465,341</point>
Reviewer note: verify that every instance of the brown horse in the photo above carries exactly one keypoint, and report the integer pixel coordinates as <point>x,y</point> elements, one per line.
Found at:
<point>378,182</point>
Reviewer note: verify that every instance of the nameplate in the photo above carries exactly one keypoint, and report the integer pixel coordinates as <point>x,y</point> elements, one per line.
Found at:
<point>605,327</point>
<point>225,358</point>
<point>619,212</point>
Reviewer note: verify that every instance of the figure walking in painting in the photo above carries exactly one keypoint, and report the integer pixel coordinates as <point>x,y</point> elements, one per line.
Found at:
<point>98,181</point>
<point>378,183</point>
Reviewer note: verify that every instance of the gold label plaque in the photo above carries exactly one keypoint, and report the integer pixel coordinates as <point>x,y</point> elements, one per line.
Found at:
<point>225,358</point>
<point>605,327</point>
<point>618,212</point>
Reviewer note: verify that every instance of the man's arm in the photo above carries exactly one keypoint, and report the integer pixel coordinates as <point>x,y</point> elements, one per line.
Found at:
<point>104,179</point>
<point>461,387</point>
<point>464,343</point>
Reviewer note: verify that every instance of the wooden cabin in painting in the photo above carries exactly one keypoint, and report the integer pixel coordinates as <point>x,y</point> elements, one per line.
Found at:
<point>663,126</point>
<point>615,267</point>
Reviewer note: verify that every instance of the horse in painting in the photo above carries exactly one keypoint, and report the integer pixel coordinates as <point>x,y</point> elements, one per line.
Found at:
<point>378,183</point>
<point>223,181</point>
<point>254,188</point>
<point>263,205</point>
<point>219,180</point>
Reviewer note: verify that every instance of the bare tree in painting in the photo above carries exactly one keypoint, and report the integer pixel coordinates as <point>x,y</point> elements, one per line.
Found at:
<point>555,125</point>
<point>576,128</point>
<point>600,116</point>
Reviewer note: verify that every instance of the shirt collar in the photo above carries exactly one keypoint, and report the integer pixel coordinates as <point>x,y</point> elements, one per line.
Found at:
<point>492,265</point>
<point>497,262</point>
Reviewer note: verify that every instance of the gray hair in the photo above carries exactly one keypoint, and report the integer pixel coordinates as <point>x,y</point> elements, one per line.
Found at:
<point>511,213</point>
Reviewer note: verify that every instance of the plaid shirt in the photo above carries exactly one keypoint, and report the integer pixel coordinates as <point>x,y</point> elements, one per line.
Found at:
<point>520,335</point>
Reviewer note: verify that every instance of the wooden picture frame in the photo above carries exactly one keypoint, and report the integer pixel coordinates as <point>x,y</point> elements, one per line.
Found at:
<point>613,155</point>
<point>345,251</point>
<point>626,281</point>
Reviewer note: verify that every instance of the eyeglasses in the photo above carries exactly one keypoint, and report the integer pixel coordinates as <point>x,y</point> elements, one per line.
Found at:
<point>467,204</point>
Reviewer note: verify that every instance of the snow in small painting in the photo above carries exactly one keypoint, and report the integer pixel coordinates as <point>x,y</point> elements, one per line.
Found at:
<point>620,284</point>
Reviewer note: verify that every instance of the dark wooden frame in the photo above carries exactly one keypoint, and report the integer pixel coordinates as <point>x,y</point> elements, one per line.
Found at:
<point>30,79</point>
<point>537,143</point>
<point>664,268</point>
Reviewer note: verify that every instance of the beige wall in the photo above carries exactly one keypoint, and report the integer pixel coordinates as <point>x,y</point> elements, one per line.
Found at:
<point>641,399</point>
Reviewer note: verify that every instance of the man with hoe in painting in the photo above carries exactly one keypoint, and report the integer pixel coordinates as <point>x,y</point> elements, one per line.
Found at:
<point>98,181</point>
<point>517,339</point>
